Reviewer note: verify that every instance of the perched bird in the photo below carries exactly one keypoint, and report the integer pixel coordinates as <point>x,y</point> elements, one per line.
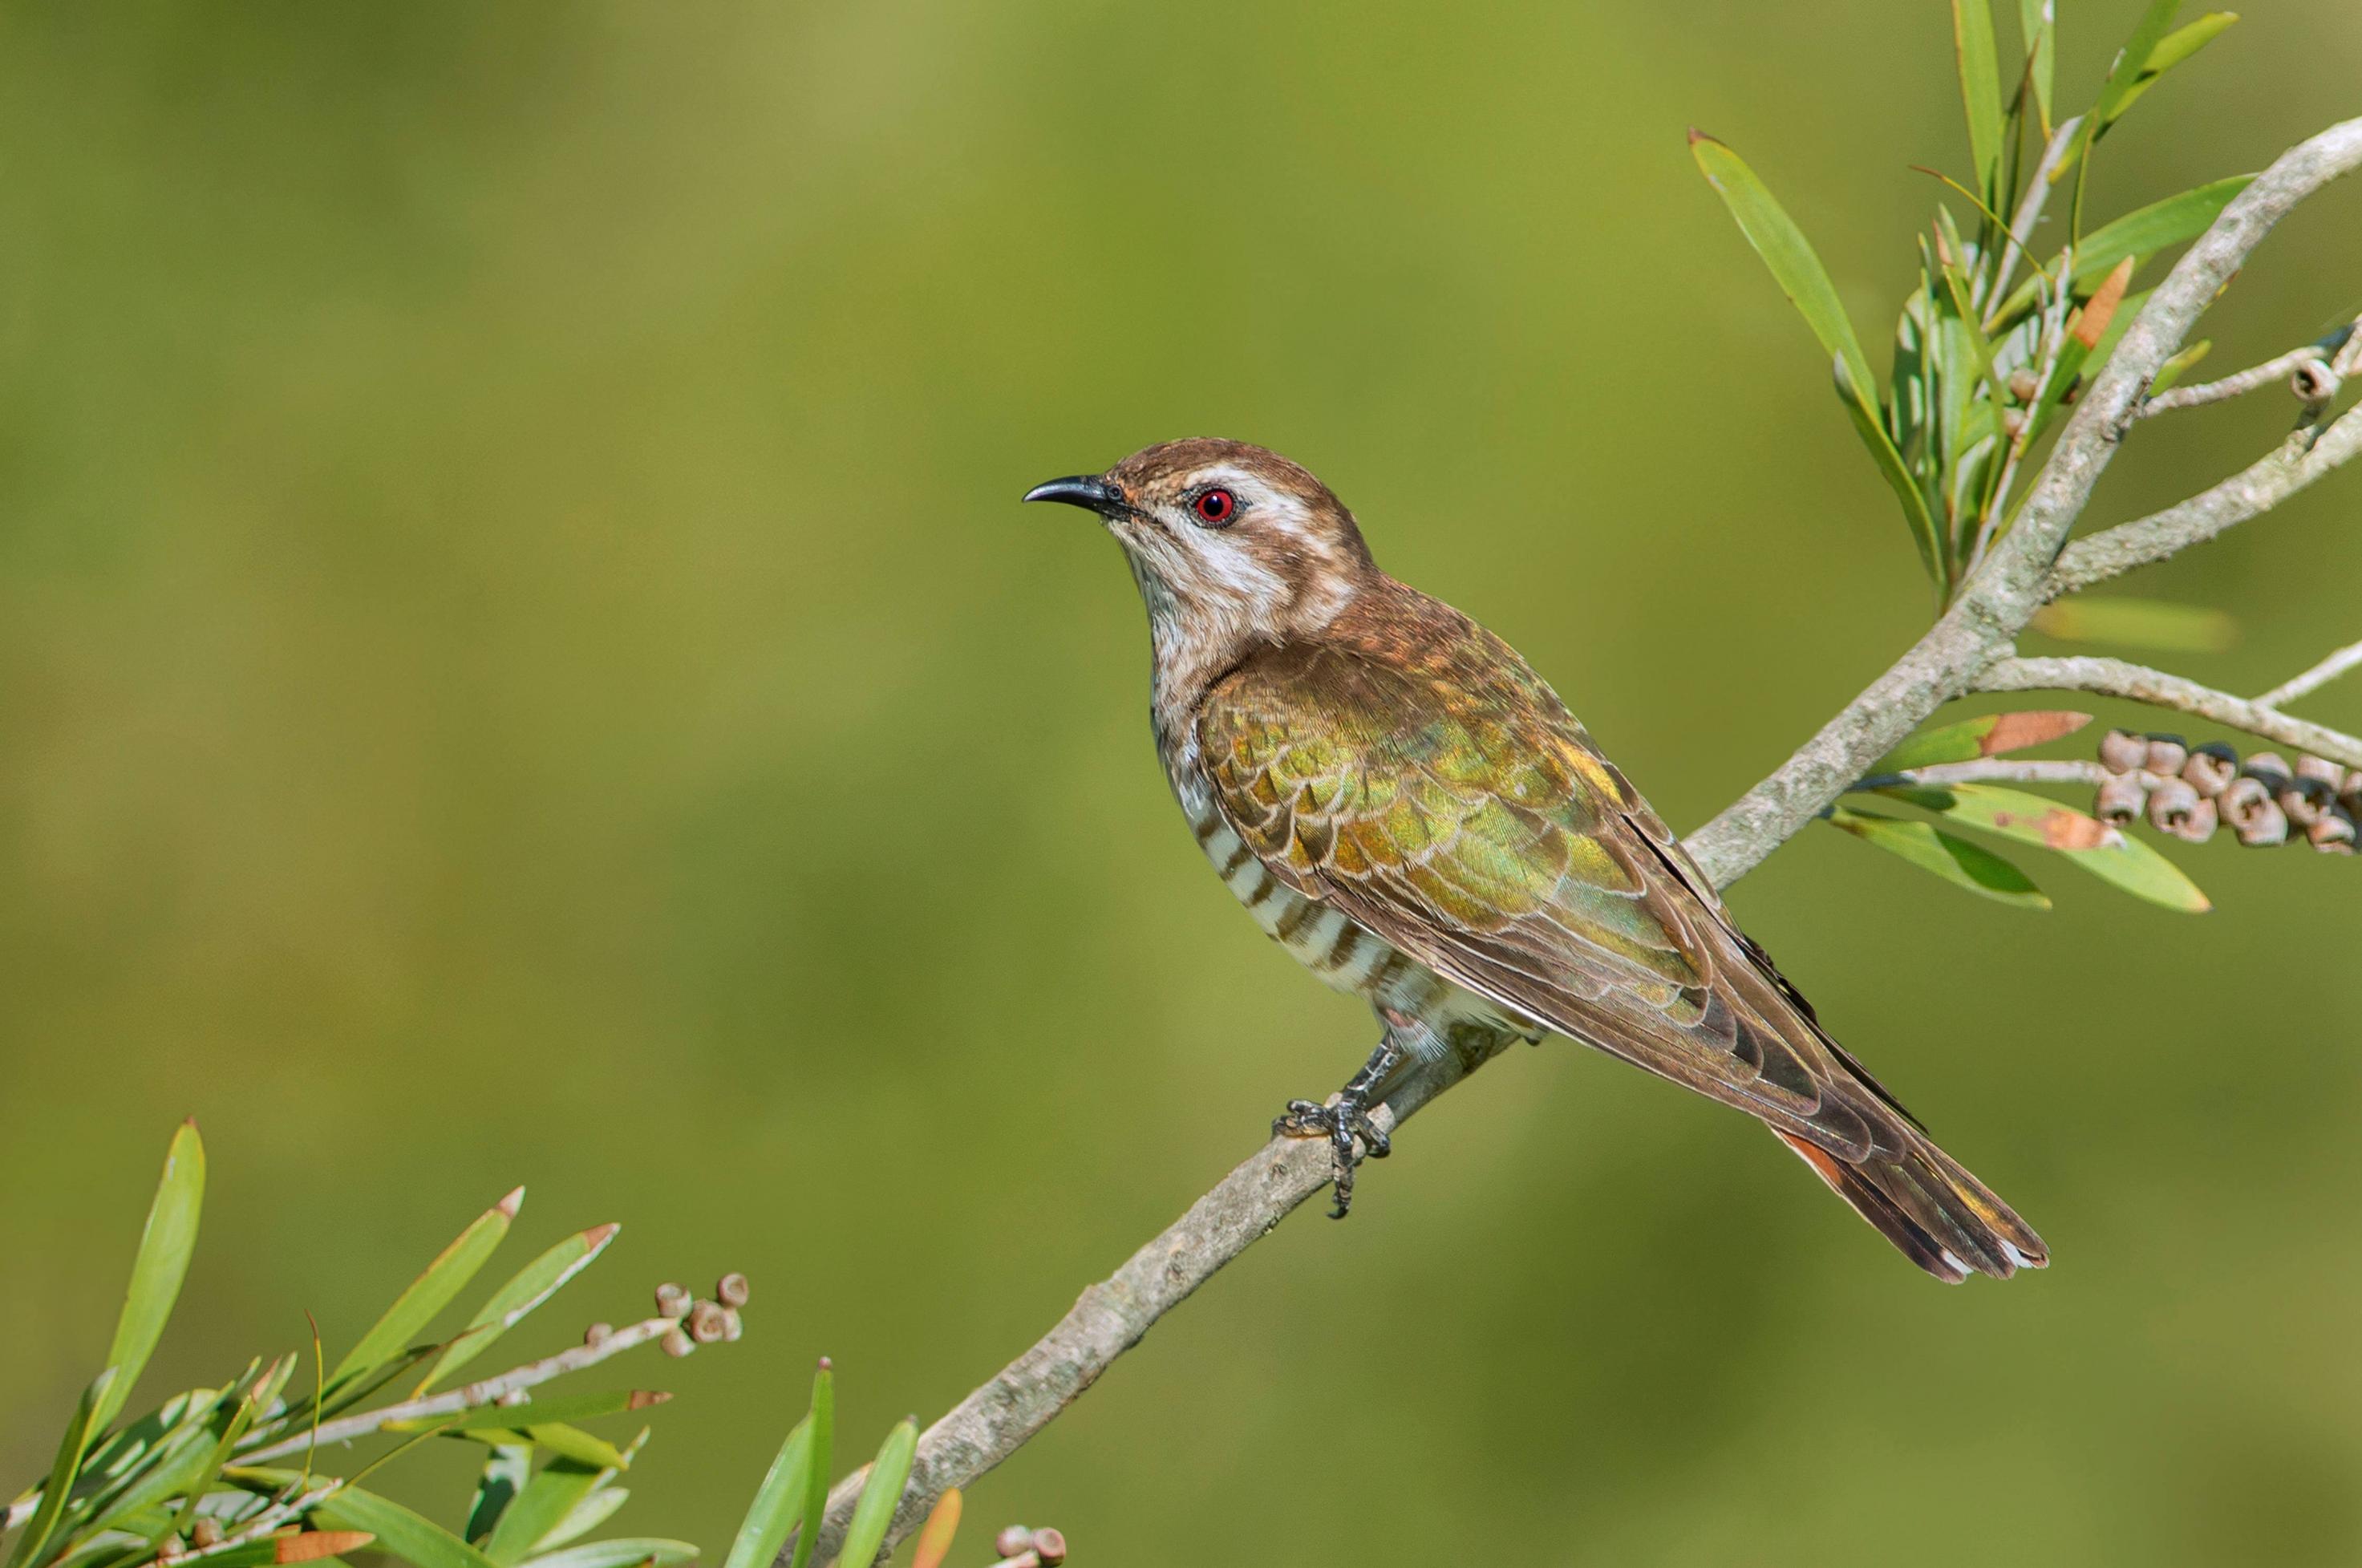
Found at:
<point>1411,812</point>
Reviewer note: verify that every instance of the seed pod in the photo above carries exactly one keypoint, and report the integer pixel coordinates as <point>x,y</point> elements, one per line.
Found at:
<point>677,1343</point>
<point>731,1290</point>
<point>705,1325</point>
<point>2170,805</point>
<point>2334,833</point>
<point>2321,768</point>
<point>2350,796</point>
<point>2165,756</point>
<point>598,1333</point>
<point>1050,1546</point>
<point>671,1300</point>
<point>2121,751</point>
<point>2210,767</point>
<point>2120,800</point>
<point>2314,381</point>
<point>2022,385</point>
<point>2200,824</point>
<point>2013,423</point>
<point>2270,766</point>
<point>2306,800</point>
<point>2260,822</point>
<point>205,1531</point>
<point>731,1325</point>
<point>1012,1540</point>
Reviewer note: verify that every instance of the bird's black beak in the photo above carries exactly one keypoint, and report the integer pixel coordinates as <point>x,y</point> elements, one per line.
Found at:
<point>1087,490</point>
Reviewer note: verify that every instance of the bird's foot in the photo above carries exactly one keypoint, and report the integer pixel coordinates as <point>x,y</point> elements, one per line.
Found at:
<point>1342,1121</point>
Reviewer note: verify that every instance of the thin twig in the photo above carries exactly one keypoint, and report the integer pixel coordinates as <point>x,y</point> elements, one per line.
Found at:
<point>2313,679</point>
<point>2256,490</point>
<point>2115,678</point>
<point>486,1391</point>
<point>2271,372</point>
<point>2029,213</point>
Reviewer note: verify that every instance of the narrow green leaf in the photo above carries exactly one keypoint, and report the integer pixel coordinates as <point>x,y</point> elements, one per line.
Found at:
<point>1955,859</point>
<point>624,1553</point>
<point>71,1449</point>
<point>505,1471</point>
<point>1972,45</point>
<point>554,1438</point>
<point>432,1291</point>
<point>533,1412</point>
<point>2171,50</point>
<point>879,1497</point>
<point>1898,478</point>
<point>556,1489</point>
<point>531,1286</point>
<point>165,1246</point>
<point>823,1441</point>
<point>586,1514</point>
<point>1991,734</point>
<point>2138,623</point>
<point>2181,365</point>
<point>2107,853</point>
<point>779,1503</point>
<point>2037,27</point>
<point>2124,72</point>
<point>1786,251</point>
<point>2145,231</point>
<point>305,1546</point>
<point>403,1534</point>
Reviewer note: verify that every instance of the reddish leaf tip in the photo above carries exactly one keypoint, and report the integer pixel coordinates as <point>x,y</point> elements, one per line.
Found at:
<point>512,1203</point>
<point>599,1235</point>
<point>644,1397</point>
<point>826,1364</point>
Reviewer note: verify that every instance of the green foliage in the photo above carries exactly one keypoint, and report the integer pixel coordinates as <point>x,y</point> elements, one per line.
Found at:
<point>1983,370</point>
<point>191,1482</point>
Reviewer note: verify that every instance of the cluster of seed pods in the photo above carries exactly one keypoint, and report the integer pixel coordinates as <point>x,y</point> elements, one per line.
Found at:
<point>2192,791</point>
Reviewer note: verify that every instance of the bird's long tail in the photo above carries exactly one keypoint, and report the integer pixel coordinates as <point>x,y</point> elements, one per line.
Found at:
<point>1926,1203</point>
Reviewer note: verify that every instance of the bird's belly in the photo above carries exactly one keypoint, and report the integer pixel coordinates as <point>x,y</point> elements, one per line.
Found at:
<point>1342,952</point>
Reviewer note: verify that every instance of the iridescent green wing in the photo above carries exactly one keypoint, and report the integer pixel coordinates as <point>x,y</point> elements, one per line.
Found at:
<point>1455,808</point>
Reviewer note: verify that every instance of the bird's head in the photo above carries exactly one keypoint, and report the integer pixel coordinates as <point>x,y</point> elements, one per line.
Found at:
<point>1229,541</point>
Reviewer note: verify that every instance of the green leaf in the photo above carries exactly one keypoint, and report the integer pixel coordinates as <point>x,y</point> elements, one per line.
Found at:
<point>403,1534</point>
<point>2037,27</point>
<point>586,1514</point>
<point>553,1437</point>
<point>498,1419</point>
<point>506,1470</point>
<point>624,1553</point>
<point>165,1246</point>
<point>1955,859</point>
<point>554,1491</point>
<point>875,1512</point>
<point>1898,478</point>
<point>2181,365</point>
<point>532,1285</point>
<point>779,1503</point>
<point>2112,855</point>
<point>70,1448</point>
<point>1972,44</point>
<point>1990,735</point>
<point>2139,234</point>
<point>2171,50</point>
<point>1785,250</point>
<point>432,1291</point>
<point>824,1438</point>
<point>305,1546</point>
<point>2138,623</point>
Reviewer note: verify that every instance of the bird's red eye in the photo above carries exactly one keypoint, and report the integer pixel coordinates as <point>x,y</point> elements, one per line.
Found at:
<point>1215,506</point>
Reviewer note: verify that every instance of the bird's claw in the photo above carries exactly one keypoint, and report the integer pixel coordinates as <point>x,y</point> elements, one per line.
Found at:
<point>1340,1121</point>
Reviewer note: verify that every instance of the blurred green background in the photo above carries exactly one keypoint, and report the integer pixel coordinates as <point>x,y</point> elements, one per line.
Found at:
<point>520,661</point>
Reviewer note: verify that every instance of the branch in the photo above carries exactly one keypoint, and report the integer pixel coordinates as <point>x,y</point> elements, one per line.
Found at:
<point>2312,679</point>
<point>1994,770</point>
<point>2297,463</point>
<point>1996,603</point>
<point>2114,677</point>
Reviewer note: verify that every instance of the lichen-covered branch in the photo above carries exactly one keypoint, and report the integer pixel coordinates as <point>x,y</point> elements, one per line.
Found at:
<point>2313,679</point>
<point>2115,678</point>
<point>2014,581</point>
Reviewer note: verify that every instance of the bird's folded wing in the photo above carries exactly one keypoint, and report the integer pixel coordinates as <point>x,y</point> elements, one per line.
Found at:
<point>1458,810</point>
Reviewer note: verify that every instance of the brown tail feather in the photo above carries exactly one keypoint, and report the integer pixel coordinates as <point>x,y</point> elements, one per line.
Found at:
<point>1935,1212</point>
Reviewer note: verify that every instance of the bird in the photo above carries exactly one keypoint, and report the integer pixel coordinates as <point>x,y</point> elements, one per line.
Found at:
<point>1408,810</point>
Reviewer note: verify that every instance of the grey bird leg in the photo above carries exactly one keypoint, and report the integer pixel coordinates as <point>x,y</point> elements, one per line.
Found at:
<point>1349,1116</point>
